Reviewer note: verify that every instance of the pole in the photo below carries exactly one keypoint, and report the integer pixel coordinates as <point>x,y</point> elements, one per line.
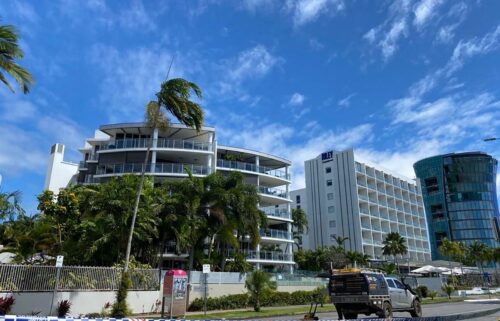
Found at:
<point>58,272</point>
<point>205,295</point>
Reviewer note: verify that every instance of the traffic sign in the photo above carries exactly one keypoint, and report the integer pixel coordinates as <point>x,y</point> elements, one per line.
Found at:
<point>59,261</point>
<point>206,268</point>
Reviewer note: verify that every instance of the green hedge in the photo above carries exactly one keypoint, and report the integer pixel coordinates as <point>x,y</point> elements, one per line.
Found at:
<point>241,301</point>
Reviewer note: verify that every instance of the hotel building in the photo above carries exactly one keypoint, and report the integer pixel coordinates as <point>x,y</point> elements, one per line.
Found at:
<point>119,149</point>
<point>349,197</point>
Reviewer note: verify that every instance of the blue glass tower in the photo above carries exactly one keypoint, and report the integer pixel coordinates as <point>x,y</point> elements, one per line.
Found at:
<point>459,192</point>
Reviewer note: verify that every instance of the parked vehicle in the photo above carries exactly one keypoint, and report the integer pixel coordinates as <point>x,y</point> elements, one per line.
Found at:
<point>355,292</point>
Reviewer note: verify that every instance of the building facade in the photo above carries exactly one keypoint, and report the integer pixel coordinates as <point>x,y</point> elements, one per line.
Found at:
<point>346,196</point>
<point>119,149</point>
<point>459,192</point>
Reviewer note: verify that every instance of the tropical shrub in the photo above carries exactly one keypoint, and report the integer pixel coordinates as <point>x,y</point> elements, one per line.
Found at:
<point>275,298</point>
<point>6,304</point>
<point>63,308</point>
<point>422,291</point>
<point>432,294</point>
<point>259,286</point>
<point>448,289</point>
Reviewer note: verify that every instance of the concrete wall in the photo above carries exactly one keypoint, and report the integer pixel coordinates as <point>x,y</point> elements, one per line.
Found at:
<point>59,173</point>
<point>82,302</point>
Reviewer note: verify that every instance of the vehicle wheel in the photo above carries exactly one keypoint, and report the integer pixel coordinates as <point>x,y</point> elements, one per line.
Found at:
<point>386,310</point>
<point>351,316</point>
<point>417,309</point>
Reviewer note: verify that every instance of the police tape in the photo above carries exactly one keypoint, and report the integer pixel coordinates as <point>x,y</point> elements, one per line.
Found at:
<point>39,318</point>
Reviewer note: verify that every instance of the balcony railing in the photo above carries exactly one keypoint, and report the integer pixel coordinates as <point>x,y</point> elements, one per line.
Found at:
<point>163,168</point>
<point>264,255</point>
<point>273,191</point>
<point>253,168</point>
<point>160,143</point>
<point>82,165</point>
<point>276,212</point>
<point>277,234</point>
<point>90,179</point>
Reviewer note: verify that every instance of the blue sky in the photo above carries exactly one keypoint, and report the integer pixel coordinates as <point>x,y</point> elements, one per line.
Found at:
<point>398,81</point>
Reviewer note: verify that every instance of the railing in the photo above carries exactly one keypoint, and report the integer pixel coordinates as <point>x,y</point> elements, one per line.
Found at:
<point>364,210</point>
<point>363,197</point>
<point>264,255</point>
<point>183,144</point>
<point>164,168</point>
<point>276,212</point>
<point>361,183</point>
<point>39,278</point>
<point>90,179</point>
<point>277,234</point>
<point>366,226</point>
<point>160,143</point>
<point>253,168</point>
<point>93,157</point>
<point>273,191</point>
<point>82,165</point>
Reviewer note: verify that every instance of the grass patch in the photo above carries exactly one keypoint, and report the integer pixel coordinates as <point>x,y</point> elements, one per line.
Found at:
<point>265,312</point>
<point>442,300</point>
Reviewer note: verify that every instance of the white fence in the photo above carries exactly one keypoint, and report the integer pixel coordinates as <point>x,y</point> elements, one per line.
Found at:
<point>36,278</point>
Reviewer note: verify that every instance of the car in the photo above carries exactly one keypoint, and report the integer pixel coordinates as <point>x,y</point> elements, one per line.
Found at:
<point>479,290</point>
<point>355,292</point>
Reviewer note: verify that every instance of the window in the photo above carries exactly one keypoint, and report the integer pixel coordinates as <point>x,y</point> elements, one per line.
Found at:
<point>332,224</point>
<point>390,283</point>
<point>297,199</point>
<point>399,284</point>
<point>431,184</point>
<point>329,182</point>
<point>331,209</point>
<point>439,238</point>
<point>328,170</point>
<point>298,207</point>
<point>329,196</point>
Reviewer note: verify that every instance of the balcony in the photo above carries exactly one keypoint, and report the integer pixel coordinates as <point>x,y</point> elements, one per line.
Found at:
<point>363,197</point>
<point>90,179</point>
<point>276,234</point>
<point>277,212</point>
<point>82,165</point>
<point>159,168</point>
<point>264,255</point>
<point>253,168</point>
<point>273,191</point>
<point>161,143</point>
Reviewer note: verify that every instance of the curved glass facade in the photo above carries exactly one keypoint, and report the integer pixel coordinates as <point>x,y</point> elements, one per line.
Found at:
<point>459,192</point>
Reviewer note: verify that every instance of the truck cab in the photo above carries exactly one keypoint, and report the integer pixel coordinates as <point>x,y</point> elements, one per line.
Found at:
<point>356,292</point>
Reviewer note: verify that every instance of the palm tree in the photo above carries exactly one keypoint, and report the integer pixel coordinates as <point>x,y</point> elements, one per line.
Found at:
<point>10,206</point>
<point>340,240</point>
<point>299,225</point>
<point>479,250</point>
<point>394,244</point>
<point>9,52</point>
<point>174,96</point>
<point>258,284</point>
<point>357,258</point>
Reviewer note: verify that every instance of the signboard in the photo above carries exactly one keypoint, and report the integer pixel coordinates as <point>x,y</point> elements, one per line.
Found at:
<point>327,156</point>
<point>206,268</point>
<point>180,288</point>
<point>59,261</point>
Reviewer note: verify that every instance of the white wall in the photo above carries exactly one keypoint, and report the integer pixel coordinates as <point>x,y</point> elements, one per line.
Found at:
<point>82,302</point>
<point>59,173</point>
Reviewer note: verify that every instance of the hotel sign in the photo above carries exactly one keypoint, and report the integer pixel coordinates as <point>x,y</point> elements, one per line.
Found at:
<point>327,156</point>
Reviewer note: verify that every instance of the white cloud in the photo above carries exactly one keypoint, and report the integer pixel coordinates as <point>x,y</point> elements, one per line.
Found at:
<point>305,11</point>
<point>446,33</point>
<point>296,99</point>
<point>252,63</point>
<point>315,44</point>
<point>131,78</point>
<point>346,101</point>
<point>424,11</point>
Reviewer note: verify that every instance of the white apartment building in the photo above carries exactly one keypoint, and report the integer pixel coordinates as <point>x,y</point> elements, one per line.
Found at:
<point>119,149</point>
<point>349,197</point>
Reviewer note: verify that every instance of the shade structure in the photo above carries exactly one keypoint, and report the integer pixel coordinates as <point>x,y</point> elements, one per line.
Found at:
<point>431,269</point>
<point>464,270</point>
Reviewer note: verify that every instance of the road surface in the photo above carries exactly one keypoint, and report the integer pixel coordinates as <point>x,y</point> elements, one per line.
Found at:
<point>439,309</point>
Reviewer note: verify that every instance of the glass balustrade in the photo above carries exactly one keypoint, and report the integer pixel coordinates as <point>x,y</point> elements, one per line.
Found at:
<point>276,212</point>
<point>277,234</point>
<point>82,165</point>
<point>163,168</point>
<point>273,191</point>
<point>90,179</point>
<point>363,197</point>
<point>160,143</point>
<point>252,168</point>
<point>263,255</point>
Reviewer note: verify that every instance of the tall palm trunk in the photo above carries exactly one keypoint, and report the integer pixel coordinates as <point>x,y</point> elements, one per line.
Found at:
<point>136,205</point>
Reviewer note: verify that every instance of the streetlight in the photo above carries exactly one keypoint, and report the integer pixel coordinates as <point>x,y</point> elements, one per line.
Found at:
<point>490,139</point>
